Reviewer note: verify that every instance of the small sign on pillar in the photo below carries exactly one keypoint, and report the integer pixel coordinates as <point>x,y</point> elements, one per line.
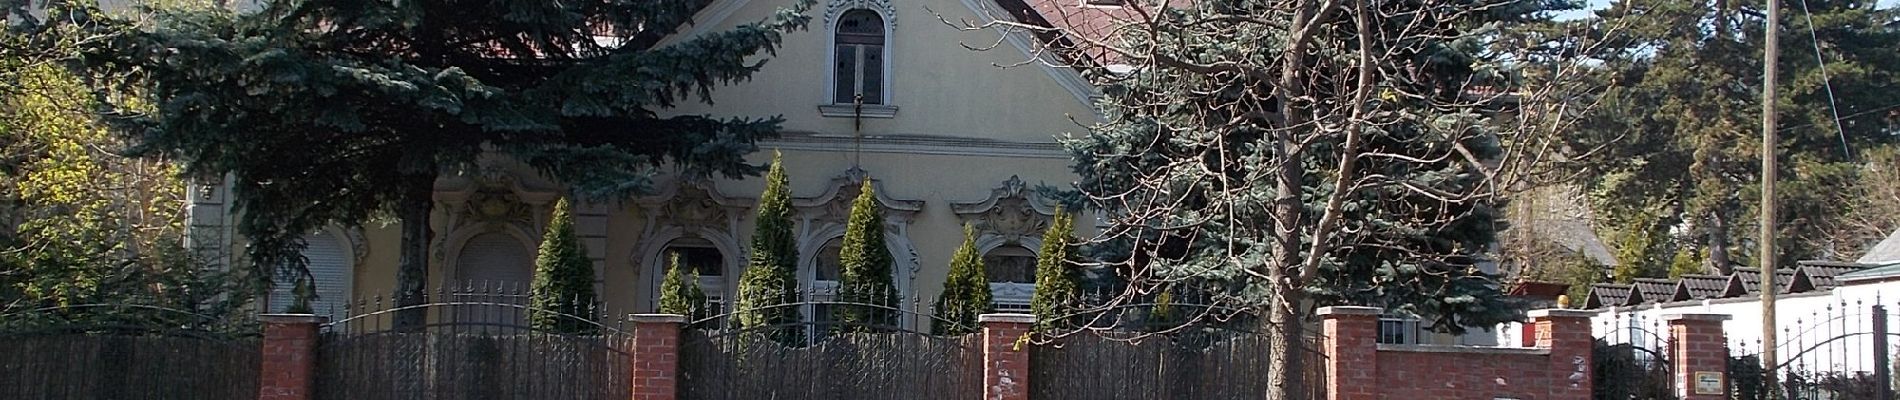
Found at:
<point>1708,382</point>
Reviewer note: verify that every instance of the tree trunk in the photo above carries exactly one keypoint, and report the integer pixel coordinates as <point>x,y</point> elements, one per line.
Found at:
<point>1718,244</point>
<point>412,273</point>
<point>1286,376</point>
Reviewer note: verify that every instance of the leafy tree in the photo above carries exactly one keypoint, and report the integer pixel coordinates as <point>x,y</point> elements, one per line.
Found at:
<point>1056,284</point>
<point>769,281</point>
<point>966,291</point>
<point>1686,262</point>
<point>563,278</point>
<point>866,266</point>
<point>81,223</point>
<point>1288,154</point>
<point>680,293</point>
<point>331,111</point>
<point>1680,125</point>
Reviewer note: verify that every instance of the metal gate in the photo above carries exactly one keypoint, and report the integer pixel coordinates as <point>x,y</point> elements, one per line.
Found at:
<point>475,345</point>
<point>1632,360</point>
<point>822,358</point>
<point>131,352</point>
<point>1841,352</point>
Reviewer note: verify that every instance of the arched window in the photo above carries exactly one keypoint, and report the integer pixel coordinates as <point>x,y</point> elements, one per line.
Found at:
<point>824,286</point>
<point>495,260</point>
<point>330,277</point>
<point>859,58</point>
<point>1011,264</point>
<point>1012,275</point>
<point>701,256</point>
<point>499,269</point>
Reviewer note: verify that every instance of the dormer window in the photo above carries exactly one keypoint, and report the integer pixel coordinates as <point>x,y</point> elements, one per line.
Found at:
<point>860,66</point>
<point>860,58</point>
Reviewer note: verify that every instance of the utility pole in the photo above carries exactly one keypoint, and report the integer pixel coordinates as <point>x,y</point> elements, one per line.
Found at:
<point>1767,238</point>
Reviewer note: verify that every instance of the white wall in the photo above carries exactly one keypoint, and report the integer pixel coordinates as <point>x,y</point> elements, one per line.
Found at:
<point>1819,331</point>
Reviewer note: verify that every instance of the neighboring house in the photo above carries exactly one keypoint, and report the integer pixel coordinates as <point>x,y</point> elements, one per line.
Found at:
<point>874,89</point>
<point>1823,308</point>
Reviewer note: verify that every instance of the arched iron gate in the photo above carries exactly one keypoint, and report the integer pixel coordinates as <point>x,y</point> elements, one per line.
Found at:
<point>475,345</point>
<point>1843,351</point>
<point>822,358</point>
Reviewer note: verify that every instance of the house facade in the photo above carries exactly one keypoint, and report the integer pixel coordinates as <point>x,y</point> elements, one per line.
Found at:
<point>877,90</point>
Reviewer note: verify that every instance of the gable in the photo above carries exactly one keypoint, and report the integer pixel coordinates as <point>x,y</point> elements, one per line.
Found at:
<point>941,89</point>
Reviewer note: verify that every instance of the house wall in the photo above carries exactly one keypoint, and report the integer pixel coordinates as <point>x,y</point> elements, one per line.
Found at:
<point>963,127</point>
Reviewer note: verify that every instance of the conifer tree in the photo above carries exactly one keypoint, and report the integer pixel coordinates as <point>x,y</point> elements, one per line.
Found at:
<point>864,276</point>
<point>680,293</point>
<point>328,111</point>
<point>966,292</point>
<point>1056,285</point>
<point>563,278</point>
<point>769,280</point>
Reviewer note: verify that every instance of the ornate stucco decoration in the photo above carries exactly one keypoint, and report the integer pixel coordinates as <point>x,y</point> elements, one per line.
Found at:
<point>491,198</point>
<point>823,217</point>
<point>835,8</point>
<point>689,208</point>
<point>1012,214</point>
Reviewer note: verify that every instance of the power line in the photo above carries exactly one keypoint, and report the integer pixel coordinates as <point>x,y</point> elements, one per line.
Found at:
<point>1826,82</point>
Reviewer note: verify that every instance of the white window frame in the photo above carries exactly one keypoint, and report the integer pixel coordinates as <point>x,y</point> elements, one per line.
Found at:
<point>828,105</point>
<point>1406,328</point>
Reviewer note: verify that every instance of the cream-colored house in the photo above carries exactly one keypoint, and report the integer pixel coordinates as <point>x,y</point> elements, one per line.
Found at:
<point>947,136</point>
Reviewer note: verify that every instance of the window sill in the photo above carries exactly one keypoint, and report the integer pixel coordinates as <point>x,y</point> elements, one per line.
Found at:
<point>850,110</point>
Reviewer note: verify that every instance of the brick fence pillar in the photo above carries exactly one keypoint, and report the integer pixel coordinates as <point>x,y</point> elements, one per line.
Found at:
<point>1352,352</point>
<point>289,367</point>
<point>1566,333</point>
<point>1005,355</point>
<point>1699,350</point>
<point>656,356</point>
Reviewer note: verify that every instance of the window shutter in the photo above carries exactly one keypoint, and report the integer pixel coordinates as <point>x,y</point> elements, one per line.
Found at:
<point>329,272</point>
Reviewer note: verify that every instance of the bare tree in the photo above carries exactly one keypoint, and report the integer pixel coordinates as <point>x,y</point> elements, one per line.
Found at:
<point>1276,156</point>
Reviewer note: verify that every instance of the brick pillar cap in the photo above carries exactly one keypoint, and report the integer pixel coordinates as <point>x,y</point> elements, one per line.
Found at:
<point>1007,318</point>
<point>1350,310</point>
<point>291,318</point>
<point>1696,317</point>
<point>1561,313</point>
<point>658,318</point>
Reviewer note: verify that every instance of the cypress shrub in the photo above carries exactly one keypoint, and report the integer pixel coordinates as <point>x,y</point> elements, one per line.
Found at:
<point>563,279</point>
<point>966,292</point>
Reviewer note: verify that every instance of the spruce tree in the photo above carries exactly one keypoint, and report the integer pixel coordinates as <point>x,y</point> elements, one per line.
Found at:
<point>864,276</point>
<point>562,296</point>
<point>769,282</point>
<point>680,293</point>
<point>1056,285</point>
<point>329,111</point>
<point>966,292</point>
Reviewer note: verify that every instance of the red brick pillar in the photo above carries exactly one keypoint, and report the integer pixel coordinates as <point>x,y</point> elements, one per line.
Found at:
<point>1566,333</point>
<point>1352,352</point>
<point>1699,350</point>
<point>289,368</point>
<point>1005,355</point>
<point>656,356</point>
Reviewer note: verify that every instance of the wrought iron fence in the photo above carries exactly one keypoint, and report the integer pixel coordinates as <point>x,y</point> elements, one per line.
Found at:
<point>1211,363</point>
<point>477,344</point>
<point>829,358</point>
<point>118,351</point>
<point>1632,360</point>
<point>1842,351</point>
